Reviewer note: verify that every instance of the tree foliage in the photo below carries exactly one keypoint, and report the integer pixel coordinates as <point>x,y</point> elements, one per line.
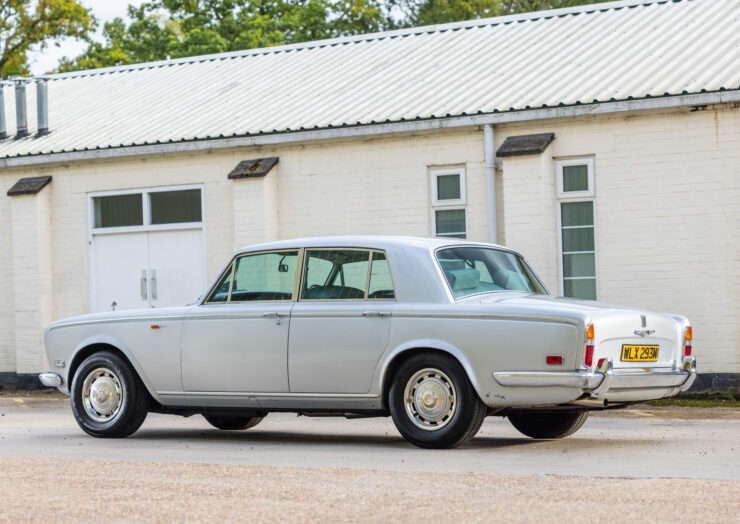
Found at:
<point>429,12</point>
<point>161,29</point>
<point>178,28</point>
<point>27,24</point>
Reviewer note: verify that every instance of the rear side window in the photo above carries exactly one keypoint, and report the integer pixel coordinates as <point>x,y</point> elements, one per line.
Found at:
<point>346,274</point>
<point>381,283</point>
<point>335,274</point>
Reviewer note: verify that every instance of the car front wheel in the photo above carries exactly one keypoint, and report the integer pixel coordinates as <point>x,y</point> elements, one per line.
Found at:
<point>432,402</point>
<point>548,424</point>
<point>108,398</point>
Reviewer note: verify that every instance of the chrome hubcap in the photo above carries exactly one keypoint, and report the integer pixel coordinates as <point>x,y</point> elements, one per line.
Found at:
<point>102,395</point>
<point>431,400</point>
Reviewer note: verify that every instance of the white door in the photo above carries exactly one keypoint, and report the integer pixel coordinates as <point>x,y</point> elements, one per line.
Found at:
<point>120,271</point>
<point>177,272</point>
<point>147,248</point>
<point>154,269</point>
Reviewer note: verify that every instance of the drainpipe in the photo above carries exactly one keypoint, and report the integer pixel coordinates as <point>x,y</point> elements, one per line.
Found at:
<point>42,106</point>
<point>490,154</point>
<point>3,123</point>
<point>21,125</point>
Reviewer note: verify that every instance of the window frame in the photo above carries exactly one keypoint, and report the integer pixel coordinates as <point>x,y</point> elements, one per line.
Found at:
<point>145,209</point>
<point>371,252</point>
<point>560,164</point>
<point>435,173</point>
<point>448,205</point>
<point>231,267</point>
<point>568,197</point>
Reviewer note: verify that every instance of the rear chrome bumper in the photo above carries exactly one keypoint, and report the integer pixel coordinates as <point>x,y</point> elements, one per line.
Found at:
<point>51,380</point>
<point>603,379</point>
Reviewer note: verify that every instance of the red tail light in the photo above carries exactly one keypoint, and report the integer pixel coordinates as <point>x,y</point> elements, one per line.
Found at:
<point>688,337</point>
<point>588,358</point>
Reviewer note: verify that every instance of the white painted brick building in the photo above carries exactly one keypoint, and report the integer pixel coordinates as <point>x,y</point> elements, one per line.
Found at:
<point>129,199</point>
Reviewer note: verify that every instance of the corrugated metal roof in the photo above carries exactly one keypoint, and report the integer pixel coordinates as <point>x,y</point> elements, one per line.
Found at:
<point>599,53</point>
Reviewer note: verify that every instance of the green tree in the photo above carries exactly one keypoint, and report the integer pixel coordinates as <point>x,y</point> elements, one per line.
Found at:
<point>512,7</point>
<point>178,28</point>
<point>430,12</point>
<point>26,24</point>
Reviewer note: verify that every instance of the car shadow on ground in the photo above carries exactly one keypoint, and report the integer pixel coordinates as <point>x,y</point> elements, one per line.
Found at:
<point>214,436</point>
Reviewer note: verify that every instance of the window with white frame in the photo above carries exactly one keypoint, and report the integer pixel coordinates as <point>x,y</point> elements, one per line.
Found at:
<point>449,216</point>
<point>147,208</point>
<point>575,192</point>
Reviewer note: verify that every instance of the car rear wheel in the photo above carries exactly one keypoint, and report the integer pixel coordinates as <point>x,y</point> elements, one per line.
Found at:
<point>108,398</point>
<point>548,424</point>
<point>232,423</point>
<point>433,403</point>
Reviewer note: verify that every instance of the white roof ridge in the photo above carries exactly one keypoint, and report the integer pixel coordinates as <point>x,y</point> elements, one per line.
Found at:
<point>366,37</point>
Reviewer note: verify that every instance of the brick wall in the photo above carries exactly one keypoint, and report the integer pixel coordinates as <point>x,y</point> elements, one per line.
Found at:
<point>667,215</point>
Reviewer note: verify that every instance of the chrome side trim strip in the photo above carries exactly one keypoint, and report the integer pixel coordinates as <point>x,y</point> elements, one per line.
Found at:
<point>109,320</point>
<point>568,379</point>
<point>284,395</point>
<point>309,314</point>
<point>51,380</point>
<point>486,317</point>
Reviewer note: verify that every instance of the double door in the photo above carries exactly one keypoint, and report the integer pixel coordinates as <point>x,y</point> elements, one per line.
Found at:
<point>147,269</point>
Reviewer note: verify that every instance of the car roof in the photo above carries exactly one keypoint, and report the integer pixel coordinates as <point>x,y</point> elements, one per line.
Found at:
<point>367,241</point>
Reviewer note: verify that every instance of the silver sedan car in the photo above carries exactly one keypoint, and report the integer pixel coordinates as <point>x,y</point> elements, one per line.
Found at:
<point>436,333</point>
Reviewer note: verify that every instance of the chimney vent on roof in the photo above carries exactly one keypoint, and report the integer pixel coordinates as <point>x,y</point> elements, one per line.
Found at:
<point>21,122</point>
<point>3,124</point>
<point>42,106</point>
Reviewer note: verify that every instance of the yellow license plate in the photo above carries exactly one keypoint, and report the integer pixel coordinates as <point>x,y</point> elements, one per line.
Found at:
<point>639,353</point>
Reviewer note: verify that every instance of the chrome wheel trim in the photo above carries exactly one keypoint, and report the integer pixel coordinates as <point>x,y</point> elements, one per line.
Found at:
<point>431,399</point>
<point>102,395</point>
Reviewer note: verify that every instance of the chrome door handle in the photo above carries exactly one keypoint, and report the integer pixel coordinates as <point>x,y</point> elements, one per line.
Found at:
<point>375,314</point>
<point>154,284</point>
<point>143,285</point>
<point>275,315</point>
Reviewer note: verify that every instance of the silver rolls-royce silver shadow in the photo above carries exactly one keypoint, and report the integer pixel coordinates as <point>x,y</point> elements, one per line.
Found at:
<point>436,333</point>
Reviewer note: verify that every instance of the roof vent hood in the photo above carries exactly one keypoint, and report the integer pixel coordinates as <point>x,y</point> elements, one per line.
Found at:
<point>42,106</point>
<point>21,121</point>
<point>3,123</point>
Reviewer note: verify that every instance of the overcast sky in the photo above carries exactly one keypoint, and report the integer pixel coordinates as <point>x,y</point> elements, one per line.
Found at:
<point>105,10</point>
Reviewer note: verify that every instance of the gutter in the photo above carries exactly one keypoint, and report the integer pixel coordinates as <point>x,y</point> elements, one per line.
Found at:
<point>291,137</point>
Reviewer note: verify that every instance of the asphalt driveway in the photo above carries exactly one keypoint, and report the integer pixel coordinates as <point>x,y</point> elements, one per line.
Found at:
<point>347,470</point>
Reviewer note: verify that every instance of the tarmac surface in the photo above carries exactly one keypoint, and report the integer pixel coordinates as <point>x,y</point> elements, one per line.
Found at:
<point>641,464</point>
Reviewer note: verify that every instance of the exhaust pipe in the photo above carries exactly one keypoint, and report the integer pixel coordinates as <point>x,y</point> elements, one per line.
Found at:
<point>3,122</point>
<point>42,106</point>
<point>21,121</point>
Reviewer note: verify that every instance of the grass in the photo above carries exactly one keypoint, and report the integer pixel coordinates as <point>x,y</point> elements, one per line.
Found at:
<point>699,401</point>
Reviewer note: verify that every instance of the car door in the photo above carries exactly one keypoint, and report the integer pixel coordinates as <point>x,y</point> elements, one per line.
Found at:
<point>237,340</point>
<point>341,325</point>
